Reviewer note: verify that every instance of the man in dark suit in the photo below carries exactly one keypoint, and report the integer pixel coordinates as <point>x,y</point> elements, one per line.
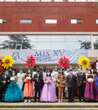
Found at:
<point>71,84</point>
<point>81,79</point>
<point>38,78</point>
<point>1,87</point>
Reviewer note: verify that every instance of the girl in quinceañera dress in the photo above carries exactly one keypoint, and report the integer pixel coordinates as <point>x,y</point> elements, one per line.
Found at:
<point>13,92</point>
<point>89,87</point>
<point>28,88</point>
<point>49,90</point>
<point>60,83</point>
<point>20,78</point>
<point>96,87</point>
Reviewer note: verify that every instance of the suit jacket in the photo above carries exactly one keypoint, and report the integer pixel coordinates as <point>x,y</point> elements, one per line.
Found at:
<point>71,81</point>
<point>81,78</point>
<point>38,78</point>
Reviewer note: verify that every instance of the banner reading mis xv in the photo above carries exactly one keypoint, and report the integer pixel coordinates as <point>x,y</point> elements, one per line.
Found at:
<point>45,56</point>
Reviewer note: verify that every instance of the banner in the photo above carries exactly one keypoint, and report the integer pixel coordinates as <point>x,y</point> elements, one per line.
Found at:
<point>45,56</point>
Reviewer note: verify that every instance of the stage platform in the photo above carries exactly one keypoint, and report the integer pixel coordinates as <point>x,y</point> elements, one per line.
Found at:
<point>49,106</point>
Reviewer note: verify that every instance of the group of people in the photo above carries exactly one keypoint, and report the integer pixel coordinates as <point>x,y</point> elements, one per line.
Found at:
<point>49,85</point>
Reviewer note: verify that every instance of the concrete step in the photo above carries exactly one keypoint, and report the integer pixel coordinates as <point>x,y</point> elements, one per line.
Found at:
<point>49,106</point>
<point>49,109</point>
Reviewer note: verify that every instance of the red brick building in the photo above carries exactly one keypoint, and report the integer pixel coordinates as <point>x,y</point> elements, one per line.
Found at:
<point>57,17</point>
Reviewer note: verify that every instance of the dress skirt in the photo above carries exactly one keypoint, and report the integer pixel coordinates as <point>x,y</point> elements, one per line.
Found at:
<point>89,91</point>
<point>28,89</point>
<point>13,93</point>
<point>48,93</point>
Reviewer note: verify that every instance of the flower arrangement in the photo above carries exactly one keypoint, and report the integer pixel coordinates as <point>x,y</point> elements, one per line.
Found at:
<point>31,61</point>
<point>7,62</point>
<point>64,62</point>
<point>84,62</point>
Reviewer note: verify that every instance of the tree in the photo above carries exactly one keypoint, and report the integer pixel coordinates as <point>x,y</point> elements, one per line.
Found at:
<point>96,45</point>
<point>16,42</point>
<point>85,44</point>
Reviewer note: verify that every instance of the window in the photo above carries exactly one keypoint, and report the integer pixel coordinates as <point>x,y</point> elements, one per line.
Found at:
<point>46,0</point>
<point>2,21</point>
<point>34,0</point>
<point>81,0</point>
<point>51,21</point>
<point>71,0</point>
<point>96,21</point>
<point>58,1</point>
<point>25,21</point>
<point>21,0</point>
<point>92,0</point>
<point>10,0</point>
<point>1,0</point>
<point>76,21</point>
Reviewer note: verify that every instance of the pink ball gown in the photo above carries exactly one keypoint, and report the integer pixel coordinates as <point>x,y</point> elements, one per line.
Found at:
<point>49,91</point>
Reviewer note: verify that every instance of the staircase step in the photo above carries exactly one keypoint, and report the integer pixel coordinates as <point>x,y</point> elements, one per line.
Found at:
<point>49,109</point>
<point>49,106</point>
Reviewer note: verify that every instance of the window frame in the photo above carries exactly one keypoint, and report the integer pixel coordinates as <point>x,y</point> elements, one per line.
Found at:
<point>96,21</point>
<point>51,21</point>
<point>75,21</point>
<point>26,21</point>
<point>3,21</point>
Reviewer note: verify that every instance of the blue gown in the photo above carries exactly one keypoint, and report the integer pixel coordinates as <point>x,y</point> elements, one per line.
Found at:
<point>13,93</point>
